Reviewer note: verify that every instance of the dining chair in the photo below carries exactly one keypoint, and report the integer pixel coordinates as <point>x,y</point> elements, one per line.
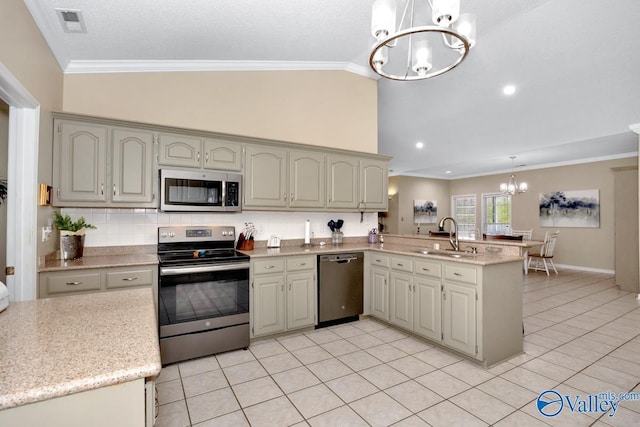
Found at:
<point>526,234</point>
<point>546,253</point>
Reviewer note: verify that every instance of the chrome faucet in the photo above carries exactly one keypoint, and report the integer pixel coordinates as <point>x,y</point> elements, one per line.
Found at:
<point>453,239</point>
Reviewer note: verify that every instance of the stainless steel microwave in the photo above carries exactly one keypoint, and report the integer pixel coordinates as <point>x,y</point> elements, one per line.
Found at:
<point>199,191</point>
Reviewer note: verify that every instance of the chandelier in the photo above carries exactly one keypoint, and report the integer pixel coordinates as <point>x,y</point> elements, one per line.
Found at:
<point>414,51</point>
<point>512,187</point>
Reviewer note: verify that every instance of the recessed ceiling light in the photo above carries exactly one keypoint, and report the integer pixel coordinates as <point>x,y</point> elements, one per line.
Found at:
<point>447,172</point>
<point>509,90</point>
<point>419,145</point>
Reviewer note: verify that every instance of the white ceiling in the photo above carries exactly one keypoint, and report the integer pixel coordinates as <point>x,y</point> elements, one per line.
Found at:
<point>575,63</point>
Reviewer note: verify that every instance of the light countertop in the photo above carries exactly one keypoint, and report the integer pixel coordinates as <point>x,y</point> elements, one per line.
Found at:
<point>54,347</point>
<point>390,248</point>
<point>99,261</point>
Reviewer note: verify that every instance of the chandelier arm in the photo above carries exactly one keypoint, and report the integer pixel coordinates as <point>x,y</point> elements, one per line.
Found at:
<point>410,49</point>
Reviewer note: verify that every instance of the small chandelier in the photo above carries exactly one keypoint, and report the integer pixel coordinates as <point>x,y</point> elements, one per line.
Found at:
<point>512,187</point>
<point>410,51</point>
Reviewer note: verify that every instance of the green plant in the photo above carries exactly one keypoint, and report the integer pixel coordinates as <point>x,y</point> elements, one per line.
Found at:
<point>65,223</point>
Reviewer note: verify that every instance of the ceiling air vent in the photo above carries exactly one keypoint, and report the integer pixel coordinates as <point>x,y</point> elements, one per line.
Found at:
<point>71,21</point>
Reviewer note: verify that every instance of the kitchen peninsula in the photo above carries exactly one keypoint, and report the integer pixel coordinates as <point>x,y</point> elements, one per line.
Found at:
<point>79,360</point>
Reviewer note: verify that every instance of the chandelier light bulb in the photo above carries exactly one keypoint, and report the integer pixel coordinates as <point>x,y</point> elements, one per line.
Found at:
<point>383,18</point>
<point>421,54</point>
<point>445,12</point>
<point>466,26</point>
<point>380,58</point>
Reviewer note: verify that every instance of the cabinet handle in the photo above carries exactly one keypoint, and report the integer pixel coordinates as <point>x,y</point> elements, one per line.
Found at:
<point>285,196</point>
<point>281,288</point>
<point>102,189</point>
<point>74,283</point>
<point>457,274</point>
<point>444,295</point>
<point>400,265</point>
<point>269,267</point>
<point>425,269</point>
<point>198,156</point>
<point>114,189</point>
<point>206,157</point>
<point>291,196</point>
<point>300,264</point>
<point>378,260</point>
<point>289,286</point>
<point>129,279</point>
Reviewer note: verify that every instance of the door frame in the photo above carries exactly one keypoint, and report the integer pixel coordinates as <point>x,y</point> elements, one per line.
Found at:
<point>22,178</point>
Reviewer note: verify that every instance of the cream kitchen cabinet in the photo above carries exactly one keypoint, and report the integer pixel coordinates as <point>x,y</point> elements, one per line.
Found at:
<point>82,281</point>
<point>99,165</point>
<point>354,183</point>
<point>283,294</point>
<point>280,178</point>
<point>198,152</point>
<point>475,310</point>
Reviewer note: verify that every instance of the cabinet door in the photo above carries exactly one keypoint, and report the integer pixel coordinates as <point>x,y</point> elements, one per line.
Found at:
<point>306,180</point>
<point>373,185</point>
<point>342,182</point>
<point>379,293</point>
<point>132,166</point>
<point>459,317</point>
<point>268,305</point>
<point>80,169</point>
<point>265,177</point>
<point>301,305</point>
<point>401,300</point>
<point>427,308</point>
<point>179,150</point>
<point>222,155</point>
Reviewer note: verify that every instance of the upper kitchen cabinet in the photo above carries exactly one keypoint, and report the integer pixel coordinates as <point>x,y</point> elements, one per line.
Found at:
<point>79,166</point>
<point>306,179</point>
<point>132,166</point>
<point>265,177</point>
<point>374,178</point>
<point>195,152</point>
<point>354,183</point>
<point>97,165</point>
<point>342,182</point>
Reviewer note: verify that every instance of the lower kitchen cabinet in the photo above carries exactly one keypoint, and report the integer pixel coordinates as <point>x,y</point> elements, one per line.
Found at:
<point>473,309</point>
<point>82,281</point>
<point>379,280</point>
<point>283,294</point>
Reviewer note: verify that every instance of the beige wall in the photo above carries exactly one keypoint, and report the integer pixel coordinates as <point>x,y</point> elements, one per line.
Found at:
<point>326,108</point>
<point>404,190</point>
<point>586,247</point>
<point>26,55</point>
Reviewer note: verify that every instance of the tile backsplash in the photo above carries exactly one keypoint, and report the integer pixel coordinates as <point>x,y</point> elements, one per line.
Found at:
<point>124,227</point>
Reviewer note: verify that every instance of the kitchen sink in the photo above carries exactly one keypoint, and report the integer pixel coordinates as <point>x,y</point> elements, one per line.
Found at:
<point>450,254</point>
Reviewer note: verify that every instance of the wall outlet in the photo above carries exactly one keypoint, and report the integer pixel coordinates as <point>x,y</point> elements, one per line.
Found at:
<point>46,232</point>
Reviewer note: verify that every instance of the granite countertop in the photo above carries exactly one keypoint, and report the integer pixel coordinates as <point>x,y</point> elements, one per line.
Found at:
<point>99,261</point>
<point>54,347</point>
<point>390,248</point>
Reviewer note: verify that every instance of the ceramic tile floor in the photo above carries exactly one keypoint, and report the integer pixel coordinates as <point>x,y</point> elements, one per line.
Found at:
<point>582,337</point>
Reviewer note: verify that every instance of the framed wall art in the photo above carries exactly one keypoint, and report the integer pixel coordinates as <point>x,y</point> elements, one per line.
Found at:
<point>425,211</point>
<point>580,208</point>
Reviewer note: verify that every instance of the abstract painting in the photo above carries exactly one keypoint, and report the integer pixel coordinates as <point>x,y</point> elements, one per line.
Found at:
<point>579,208</point>
<point>425,211</point>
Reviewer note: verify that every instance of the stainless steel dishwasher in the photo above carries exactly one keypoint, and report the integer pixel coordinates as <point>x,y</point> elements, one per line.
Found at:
<point>340,287</point>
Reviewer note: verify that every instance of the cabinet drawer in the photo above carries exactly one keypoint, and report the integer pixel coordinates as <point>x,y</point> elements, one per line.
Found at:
<point>379,260</point>
<point>426,268</point>
<point>460,274</point>
<point>402,264</point>
<point>268,266</point>
<point>125,279</point>
<point>304,263</point>
<point>72,283</point>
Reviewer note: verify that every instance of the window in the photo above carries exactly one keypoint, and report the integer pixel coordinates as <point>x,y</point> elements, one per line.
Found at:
<point>496,212</point>
<point>464,212</point>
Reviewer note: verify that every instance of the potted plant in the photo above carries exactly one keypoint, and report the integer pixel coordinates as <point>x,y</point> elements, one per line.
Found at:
<point>71,235</point>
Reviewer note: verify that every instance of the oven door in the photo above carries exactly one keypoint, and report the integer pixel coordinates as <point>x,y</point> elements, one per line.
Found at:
<point>202,297</point>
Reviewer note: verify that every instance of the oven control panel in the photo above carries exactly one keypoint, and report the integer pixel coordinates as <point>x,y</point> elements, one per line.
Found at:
<point>196,233</point>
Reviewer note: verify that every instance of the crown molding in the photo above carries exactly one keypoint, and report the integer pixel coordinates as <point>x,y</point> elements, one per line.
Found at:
<point>58,50</point>
<point>87,67</point>
<point>635,128</point>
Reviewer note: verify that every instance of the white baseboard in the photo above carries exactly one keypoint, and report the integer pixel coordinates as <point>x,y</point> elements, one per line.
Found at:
<point>583,268</point>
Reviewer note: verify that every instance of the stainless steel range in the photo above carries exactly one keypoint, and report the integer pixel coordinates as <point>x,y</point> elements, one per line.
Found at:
<point>203,305</point>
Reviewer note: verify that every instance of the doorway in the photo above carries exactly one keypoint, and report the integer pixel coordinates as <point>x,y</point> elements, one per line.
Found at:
<point>4,158</point>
